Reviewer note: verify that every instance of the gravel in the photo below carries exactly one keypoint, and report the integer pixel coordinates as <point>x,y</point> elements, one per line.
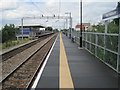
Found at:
<point>10,64</point>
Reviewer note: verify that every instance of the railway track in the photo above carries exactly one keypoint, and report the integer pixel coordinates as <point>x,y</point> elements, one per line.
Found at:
<point>11,53</point>
<point>24,75</point>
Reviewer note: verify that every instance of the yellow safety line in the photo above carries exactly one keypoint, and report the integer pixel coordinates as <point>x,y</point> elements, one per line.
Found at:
<point>65,76</point>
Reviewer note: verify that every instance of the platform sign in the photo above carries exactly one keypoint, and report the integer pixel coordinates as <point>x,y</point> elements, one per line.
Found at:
<point>112,13</point>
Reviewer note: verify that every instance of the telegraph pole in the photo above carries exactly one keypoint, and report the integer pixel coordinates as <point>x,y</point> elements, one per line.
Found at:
<point>81,24</point>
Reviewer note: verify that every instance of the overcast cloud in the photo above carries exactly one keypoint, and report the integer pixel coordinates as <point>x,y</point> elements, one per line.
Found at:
<point>11,11</point>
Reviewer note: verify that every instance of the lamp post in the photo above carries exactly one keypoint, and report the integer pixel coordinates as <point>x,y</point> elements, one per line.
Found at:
<point>81,24</point>
<point>70,23</point>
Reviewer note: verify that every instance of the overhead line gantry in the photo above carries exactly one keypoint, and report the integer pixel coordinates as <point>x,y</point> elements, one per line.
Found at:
<point>49,17</point>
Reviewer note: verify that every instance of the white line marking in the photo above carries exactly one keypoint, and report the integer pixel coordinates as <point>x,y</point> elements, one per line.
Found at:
<point>43,66</point>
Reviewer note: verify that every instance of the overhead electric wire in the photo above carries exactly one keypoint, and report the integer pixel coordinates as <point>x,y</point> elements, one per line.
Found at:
<point>59,10</point>
<point>59,7</point>
<point>45,8</point>
<point>37,7</point>
<point>49,10</point>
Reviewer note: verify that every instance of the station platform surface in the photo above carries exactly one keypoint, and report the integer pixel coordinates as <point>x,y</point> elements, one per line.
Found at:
<point>71,67</point>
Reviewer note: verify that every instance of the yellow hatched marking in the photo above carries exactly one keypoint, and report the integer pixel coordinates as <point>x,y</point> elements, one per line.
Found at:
<point>65,76</point>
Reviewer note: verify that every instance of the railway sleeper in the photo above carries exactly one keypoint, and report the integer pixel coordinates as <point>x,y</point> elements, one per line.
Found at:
<point>20,76</point>
<point>25,71</point>
<point>13,86</point>
<point>13,83</point>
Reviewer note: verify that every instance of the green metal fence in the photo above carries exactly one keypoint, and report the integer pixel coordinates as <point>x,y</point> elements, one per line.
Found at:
<point>104,46</point>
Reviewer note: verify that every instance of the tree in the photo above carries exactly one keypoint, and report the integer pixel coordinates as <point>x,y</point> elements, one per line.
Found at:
<point>97,28</point>
<point>48,29</point>
<point>100,28</point>
<point>65,29</point>
<point>113,27</point>
<point>9,33</point>
<point>55,30</point>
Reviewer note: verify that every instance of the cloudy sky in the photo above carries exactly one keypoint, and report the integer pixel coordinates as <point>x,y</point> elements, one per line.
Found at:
<point>11,11</point>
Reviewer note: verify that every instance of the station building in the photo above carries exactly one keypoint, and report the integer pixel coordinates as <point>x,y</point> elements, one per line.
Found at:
<point>30,31</point>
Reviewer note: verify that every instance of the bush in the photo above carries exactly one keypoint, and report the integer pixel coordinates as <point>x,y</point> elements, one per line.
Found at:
<point>13,43</point>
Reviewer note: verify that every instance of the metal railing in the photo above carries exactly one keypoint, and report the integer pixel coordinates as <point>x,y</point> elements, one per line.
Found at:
<point>104,46</point>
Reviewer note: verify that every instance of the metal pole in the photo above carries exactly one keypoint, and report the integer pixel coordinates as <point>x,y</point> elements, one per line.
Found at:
<point>22,27</point>
<point>91,42</point>
<point>118,56</point>
<point>106,30</point>
<point>70,24</point>
<point>67,27</point>
<point>81,25</point>
<point>66,23</point>
<point>96,42</point>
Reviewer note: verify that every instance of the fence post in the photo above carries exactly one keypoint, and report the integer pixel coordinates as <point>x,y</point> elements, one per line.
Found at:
<point>106,29</point>
<point>83,38</point>
<point>96,36</point>
<point>86,40</point>
<point>75,34</point>
<point>77,40</point>
<point>90,41</point>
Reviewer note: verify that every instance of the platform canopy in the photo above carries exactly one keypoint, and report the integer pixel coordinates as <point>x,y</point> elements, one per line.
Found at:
<point>112,14</point>
<point>32,26</point>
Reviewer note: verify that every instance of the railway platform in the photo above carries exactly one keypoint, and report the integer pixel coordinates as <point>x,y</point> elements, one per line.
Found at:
<point>67,66</point>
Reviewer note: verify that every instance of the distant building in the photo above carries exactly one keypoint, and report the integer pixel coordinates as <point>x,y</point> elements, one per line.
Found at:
<point>94,28</point>
<point>85,27</point>
<point>78,27</point>
<point>29,31</point>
